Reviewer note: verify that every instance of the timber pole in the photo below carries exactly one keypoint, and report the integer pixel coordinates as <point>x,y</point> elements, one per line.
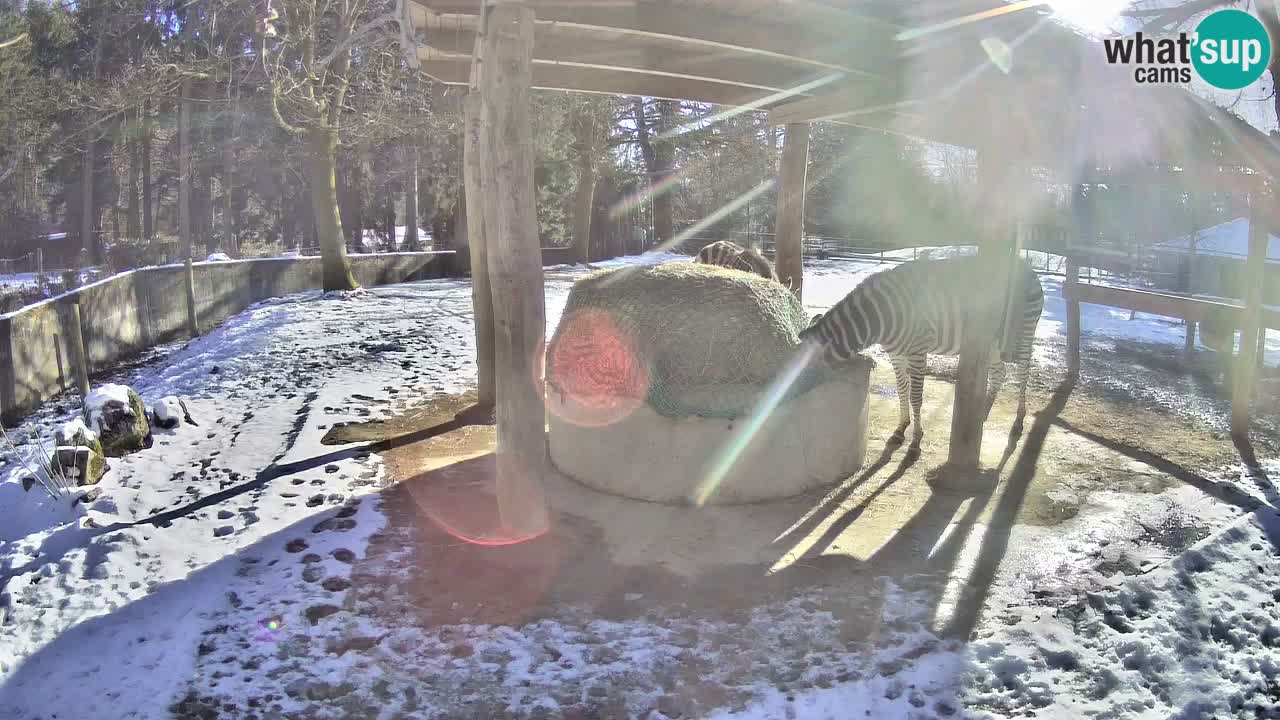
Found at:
<point>1251,321</point>
<point>991,287</point>
<point>515,265</point>
<point>75,339</point>
<point>481,292</point>
<point>1073,318</point>
<point>789,230</point>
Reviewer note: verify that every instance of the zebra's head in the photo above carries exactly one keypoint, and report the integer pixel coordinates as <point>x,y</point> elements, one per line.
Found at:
<point>814,335</point>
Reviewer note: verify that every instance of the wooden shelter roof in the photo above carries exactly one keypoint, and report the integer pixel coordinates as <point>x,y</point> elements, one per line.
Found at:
<point>976,73</point>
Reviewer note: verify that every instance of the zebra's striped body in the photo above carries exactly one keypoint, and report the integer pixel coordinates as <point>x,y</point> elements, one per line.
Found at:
<point>921,307</point>
<point>722,253</point>
<point>735,257</point>
<point>752,261</point>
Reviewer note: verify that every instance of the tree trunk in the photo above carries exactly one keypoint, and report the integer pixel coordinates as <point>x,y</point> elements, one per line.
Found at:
<point>148,219</point>
<point>228,181</point>
<point>87,203</point>
<point>481,291</point>
<point>323,147</point>
<point>1254,277</point>
<point>789,221</point>
<point>411,198</point>
<point>357,195</point>
<point>657,160</point>
<point>582,208</point>
<point>133,223</point>
<point>286,215</point>
<point>460,239</point>
<point>515,265</point>
<point>184,201</point>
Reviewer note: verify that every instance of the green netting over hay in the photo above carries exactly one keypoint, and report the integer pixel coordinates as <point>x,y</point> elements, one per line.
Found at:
<point>690,339</point>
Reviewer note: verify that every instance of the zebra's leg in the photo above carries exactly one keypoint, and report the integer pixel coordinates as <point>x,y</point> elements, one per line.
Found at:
<point>995,379</point>
<point>902,372</point>
<point>917,366</point>
<point>1023,374</point>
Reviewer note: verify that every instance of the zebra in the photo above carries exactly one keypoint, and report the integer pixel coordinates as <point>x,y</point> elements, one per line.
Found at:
<point>721,252</point>
<point>736,257</point>
<point>753,261</point>
<point>920,307</point>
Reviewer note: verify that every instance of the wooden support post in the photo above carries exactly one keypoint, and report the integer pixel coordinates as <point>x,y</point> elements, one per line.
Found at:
<point>515,266</point>
<point>1251,321</point>
<point>75,343</point>
<point>996,254</point>
<point>40,265</point>
<point>789,221</point>
<point>980,328</point>
<point>1073,318</point>
<point>1189,341</point>
<point>481,292</point>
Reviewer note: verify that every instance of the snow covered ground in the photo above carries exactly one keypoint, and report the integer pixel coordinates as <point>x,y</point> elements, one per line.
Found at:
<point>213,564</point>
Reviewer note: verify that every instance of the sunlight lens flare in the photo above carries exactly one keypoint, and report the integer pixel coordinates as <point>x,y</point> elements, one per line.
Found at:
<point>753,105</point>
<point>600,379</point>
<point>746,433</point>
<point>716,216</point>
<point>1094,17</point>
<point>633,201</point>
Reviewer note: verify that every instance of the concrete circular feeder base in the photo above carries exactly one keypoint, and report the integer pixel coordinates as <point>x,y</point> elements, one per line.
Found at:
<point>808,442</point>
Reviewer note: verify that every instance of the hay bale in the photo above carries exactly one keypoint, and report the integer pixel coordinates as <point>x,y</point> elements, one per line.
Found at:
<point>686,338</point>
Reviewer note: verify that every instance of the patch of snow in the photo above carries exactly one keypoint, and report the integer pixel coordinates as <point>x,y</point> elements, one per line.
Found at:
<point>167,410</point>
<point>28,512</point>
<point>217,257</point>
<point>1228,239</point>
<point>74,427</point>
<point>99,397</point>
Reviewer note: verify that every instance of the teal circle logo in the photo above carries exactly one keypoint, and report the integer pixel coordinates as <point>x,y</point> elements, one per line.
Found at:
<point>1232,49</point>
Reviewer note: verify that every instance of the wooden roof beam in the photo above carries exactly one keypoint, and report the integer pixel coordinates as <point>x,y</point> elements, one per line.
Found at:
<point>821,45</point>
<point>719,68</point>
<point>612,82</point>
<point>846,104</point>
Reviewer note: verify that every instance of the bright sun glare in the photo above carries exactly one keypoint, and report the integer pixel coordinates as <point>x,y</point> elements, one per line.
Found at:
<point>1095,17</point>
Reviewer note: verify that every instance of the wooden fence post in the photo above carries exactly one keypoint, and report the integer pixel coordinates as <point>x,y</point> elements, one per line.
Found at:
<point>189,280</point>
<point>1251,321</point>
<point>75,341</point>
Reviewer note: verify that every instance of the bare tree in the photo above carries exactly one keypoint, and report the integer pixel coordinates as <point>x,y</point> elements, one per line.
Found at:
<point>309,70</point>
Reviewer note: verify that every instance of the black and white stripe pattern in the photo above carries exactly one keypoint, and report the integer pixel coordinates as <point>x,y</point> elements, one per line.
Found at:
<point>921,307</point>
<point>735,257</point>
<point>722,253</point>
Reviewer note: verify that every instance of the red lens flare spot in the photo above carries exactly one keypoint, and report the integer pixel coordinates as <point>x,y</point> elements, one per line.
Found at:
<point>596,377</point>
<point>460,500</point>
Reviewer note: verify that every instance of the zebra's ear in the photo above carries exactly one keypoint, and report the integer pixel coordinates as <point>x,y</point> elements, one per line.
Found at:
<point>815,319</point>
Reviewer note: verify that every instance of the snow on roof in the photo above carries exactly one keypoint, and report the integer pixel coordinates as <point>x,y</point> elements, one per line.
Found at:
<point>1228,239</point>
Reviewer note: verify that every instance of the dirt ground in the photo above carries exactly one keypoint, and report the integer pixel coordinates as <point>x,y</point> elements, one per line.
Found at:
<point>1111,477</point>
<point>895,517</point>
